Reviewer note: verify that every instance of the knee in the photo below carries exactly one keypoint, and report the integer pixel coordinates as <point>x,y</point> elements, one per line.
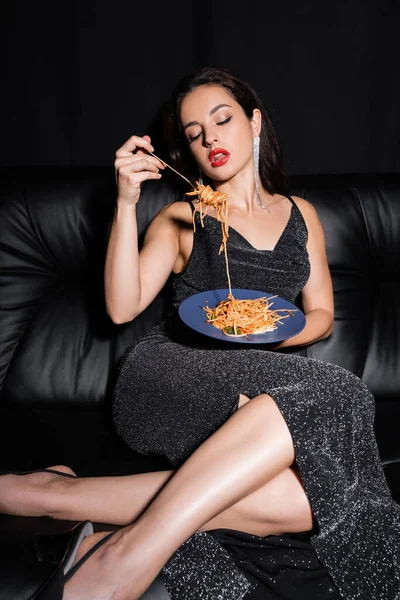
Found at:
<point>243,399</point>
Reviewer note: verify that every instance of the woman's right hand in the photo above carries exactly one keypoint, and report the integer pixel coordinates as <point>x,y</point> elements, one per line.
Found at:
<point>133,166</point>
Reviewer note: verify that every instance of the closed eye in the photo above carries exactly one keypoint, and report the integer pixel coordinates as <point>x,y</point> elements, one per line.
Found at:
<point>196,137</point>
<point>193,139</point>
<point>225,121</point>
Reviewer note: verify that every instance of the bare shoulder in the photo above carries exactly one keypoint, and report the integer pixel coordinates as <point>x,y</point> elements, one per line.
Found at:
<point>172,216</point>
<point>178,212</point>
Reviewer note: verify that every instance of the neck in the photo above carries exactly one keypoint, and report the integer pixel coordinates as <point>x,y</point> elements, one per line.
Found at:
<point>240,190</point>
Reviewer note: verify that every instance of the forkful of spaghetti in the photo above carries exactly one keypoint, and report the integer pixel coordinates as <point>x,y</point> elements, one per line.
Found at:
<point>208,198</point>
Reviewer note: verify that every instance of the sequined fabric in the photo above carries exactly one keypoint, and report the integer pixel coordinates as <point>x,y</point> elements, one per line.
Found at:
<point>175,388</point>
<point>286,566</point>
<point>283,271</point>
<point>202,569</point>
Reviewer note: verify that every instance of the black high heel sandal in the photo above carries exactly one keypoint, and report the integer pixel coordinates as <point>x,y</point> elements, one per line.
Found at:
<point>156,591</point>
<point>30,526</point>
<point>48,556</point>
<point>71,571</point>
<point>33,567</point>
<point>53,588</point>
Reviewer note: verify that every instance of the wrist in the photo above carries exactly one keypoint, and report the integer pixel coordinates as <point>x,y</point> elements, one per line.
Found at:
<point>124,207</point>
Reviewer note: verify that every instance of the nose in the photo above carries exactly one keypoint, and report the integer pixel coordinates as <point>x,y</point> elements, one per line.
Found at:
<point>210,137</point>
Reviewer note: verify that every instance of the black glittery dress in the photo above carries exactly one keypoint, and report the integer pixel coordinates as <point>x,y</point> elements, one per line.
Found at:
<point>176,387</point>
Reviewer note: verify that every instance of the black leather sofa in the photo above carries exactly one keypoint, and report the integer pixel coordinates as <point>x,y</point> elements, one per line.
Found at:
<point>59,351</point>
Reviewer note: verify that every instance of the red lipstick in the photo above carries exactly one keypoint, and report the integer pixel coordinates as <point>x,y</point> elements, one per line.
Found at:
<point>218,157</point>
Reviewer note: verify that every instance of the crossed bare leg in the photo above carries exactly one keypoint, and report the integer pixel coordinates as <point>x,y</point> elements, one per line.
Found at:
<point>239,479</point>
<point>249,450</point>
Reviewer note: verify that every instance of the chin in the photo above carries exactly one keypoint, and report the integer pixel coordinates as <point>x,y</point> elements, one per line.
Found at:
<point>222,174</point>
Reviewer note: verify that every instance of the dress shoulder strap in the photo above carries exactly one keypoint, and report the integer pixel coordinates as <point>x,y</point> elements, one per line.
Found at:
<point>291,199</point>
<point>192,208</point>
<point>295,208</point>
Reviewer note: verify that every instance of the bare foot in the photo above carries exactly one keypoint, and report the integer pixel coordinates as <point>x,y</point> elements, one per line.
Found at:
<point>121,569</point>
<point>25,495</point>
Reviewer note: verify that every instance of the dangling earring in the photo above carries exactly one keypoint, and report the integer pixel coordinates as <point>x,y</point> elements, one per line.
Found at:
<point>256,156</point>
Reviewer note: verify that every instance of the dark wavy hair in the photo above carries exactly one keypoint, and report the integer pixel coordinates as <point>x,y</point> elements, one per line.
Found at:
<point>271,168</point>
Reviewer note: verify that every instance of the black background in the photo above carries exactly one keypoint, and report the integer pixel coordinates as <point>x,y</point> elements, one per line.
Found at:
<point>80,78</point>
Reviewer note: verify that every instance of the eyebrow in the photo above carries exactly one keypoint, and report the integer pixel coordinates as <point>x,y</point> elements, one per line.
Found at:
<point>214,110</point>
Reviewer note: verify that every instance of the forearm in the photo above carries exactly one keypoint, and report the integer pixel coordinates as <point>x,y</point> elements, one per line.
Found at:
<point>121,274</point>
<point>319,324</point>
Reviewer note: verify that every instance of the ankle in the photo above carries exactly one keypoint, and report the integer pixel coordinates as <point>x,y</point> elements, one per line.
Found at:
<point>145,545</point>
<point>53,496</point>
<point>23,495</point>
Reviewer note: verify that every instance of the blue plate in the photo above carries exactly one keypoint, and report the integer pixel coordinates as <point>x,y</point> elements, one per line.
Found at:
<point>192,313</point>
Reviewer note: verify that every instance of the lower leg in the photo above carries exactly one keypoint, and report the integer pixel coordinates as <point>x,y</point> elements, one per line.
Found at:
<point>279,506</point>
<point>249,450</point>
<point>114,500</point>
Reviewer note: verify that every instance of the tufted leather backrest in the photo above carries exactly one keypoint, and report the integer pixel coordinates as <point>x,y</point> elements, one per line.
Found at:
<point>56,342</point>
<point>361,220</point>
<point>59,348</point>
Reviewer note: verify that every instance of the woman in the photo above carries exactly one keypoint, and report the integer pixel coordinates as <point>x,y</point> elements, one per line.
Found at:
<point>263,442</point>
